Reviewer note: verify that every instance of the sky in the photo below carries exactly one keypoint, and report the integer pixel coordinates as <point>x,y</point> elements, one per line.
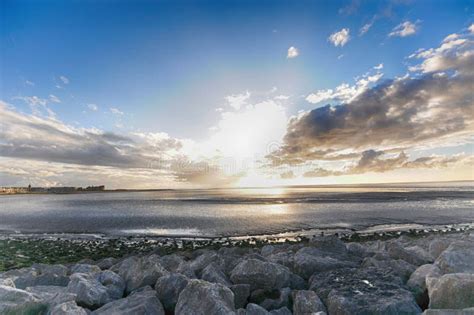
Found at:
<point>186,94</point>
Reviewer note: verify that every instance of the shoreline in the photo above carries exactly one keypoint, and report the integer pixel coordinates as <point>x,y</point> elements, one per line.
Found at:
<point>23,250</point>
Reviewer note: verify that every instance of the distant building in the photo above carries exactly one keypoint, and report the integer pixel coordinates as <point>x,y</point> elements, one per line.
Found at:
<point>62,190</point>
<point>95,188</point>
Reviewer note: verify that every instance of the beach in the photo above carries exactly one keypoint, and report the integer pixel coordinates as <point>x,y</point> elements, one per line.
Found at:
<point>393,272</point>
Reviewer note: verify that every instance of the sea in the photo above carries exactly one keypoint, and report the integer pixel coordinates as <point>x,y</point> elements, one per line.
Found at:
<point>210,213</point>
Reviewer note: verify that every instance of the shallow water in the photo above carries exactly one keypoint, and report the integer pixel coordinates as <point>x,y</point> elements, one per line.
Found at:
<point>236,212</point>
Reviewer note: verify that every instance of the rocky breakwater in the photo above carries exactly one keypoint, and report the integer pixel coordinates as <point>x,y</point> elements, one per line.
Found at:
<point>433,274</point>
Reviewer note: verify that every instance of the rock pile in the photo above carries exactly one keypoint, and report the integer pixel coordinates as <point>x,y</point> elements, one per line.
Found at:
<point>434,274</point>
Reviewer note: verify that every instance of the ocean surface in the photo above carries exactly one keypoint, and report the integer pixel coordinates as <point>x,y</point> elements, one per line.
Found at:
<point>239,212</point>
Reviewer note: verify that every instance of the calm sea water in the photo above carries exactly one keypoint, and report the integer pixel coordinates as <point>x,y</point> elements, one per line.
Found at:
<point>238,212</point>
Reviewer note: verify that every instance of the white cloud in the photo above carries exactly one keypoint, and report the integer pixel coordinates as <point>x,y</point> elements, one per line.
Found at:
<point>364,29</point>
<point>64,79</point>
<point>404,29</point>
<point>293,52</point>
<point>281,97</point>
<point>93,107</point>
<point>116,111</point>
<point>340,38</point>
<point>346,92</point>
<point>340,56</point>
<point>471,28</point>
<point>236,101</point>
<point>32,100</point>
<point>28,82</point>
<point>53,98</point>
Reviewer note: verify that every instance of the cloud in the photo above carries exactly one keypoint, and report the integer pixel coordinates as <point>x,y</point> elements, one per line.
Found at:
<point>93,107</point>
<point>238,100</point>
<point>64,79</point>
<point>30,83</point>
<point>364,29</point>
<point>471,28</point>
<point>53,98</point>
<point>373,161</point>
<point>346,92</point>
<point>293,52</point>
<point>421,110</point>
<point>287,175</point>
<point>340,38</point>
<point>32,100</point>
<point>379,66</point>
<point>404,29</point>
<point>116,111</point>
<point>351,8</point>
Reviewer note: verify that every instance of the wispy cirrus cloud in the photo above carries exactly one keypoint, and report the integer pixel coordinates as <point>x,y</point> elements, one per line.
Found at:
<point>405,29</point>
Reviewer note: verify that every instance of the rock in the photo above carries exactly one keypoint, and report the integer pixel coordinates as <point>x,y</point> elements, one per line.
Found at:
<point>38,274</point>
<point>309,260</point>
<point>297,283</point>
<point>213,274</point>
<point>437,246</point>
<point>417,282</point>
<point>107,263</point>
<point>168,289</point>
<point>330,244</point>
<point>89,291</point>
<point>281,311</point>
<point>307,302</point>
<point>455,291</point>
<point>114,284</point>
<point>141,271</point>
<point>67,308</point>
<point>285,258</point>
<point>267,250</point>
<point>7,282</point>
<point>254,309</point>
<point>259,274</point>
<point>396,251</point>
<point>142,302</point>
<point>204,298</point>
<point>171,262</point>
<point>16,301</point>
<point>457,258</point>
<point>358,249</point>
<point>201,262</point>
<point>186,270</point>
<point>466,311</point>
<point>84,268</point>
<point>363,291</point>
<point>399,267</point>
<point>51,295</point>
<point>241,294</point>
<point>282,300</point>
<point>421,253</point>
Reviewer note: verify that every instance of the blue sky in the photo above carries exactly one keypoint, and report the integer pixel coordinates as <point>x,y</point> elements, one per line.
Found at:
<point>128,67</point>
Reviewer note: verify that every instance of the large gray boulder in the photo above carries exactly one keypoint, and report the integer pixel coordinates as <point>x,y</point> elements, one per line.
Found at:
<point>140,271</point>
<point>114,284</point>
<point>106,263</point>
<point>309,260</point>
<point>254,309</point>
<point>16,301</point>
<point>241,294</point>
<point>38,274</point>
<point>88,290</point>
<point>466,311</point>
<point>202,261</point>
<point>363,291</point>
<point>396,250</point>
<point>261,275</point>
<point>399,267</point>
<point>455,291</point>
<point>141,302</point>
<point>457,258</point>
<point>85,268</point>
<point>171,262</point>
<point>168,289</point>
<point>437,246</point>
<point>67,308</point>
<point>417,282</point>
<point>205,298</point>
<point>307,302</point>
<point>212,273</point>
<point>51,295</point>
<point>282,300</point>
